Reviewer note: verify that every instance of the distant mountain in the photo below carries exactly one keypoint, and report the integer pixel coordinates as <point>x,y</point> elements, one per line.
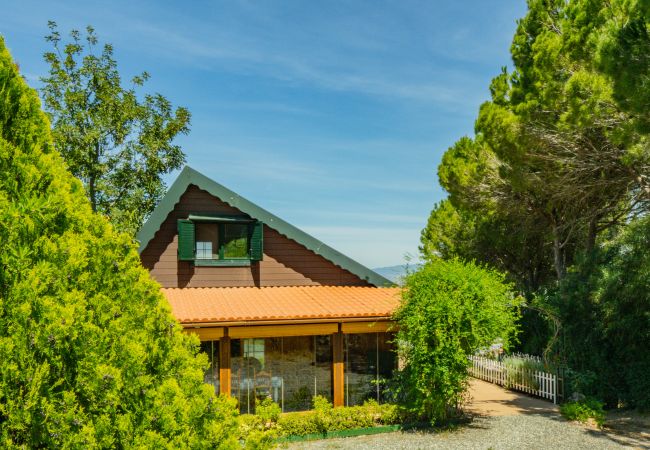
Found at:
<point>396,273</point>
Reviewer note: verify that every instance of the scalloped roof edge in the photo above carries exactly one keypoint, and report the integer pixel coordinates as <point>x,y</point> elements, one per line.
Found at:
<point>190,176</point>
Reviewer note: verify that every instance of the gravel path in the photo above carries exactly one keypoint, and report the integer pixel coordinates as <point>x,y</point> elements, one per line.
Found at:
<point>502,420</point>
<point>499,432</point>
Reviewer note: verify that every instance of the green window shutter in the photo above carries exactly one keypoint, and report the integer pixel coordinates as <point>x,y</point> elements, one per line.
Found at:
<point>257,241</point>
<point>185,240</point>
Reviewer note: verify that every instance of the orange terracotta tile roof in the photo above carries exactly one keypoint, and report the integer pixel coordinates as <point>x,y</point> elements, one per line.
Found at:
<point>252,304</point>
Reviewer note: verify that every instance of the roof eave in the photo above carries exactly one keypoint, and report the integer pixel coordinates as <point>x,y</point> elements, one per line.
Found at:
<point>199,324</point>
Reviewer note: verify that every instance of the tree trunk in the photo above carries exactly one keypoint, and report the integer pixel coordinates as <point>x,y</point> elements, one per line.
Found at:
<point>591,236</point>
<point>558,255</point>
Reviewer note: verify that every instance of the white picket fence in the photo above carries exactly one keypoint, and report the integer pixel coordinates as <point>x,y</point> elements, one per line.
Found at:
<point>538,383</point>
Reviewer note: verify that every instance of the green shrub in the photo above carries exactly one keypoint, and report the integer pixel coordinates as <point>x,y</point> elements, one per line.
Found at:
<point>384,414</point>
<point>248,423</point>
<point>91,355</point>
<point>324,418</point>
<point>258,431</point>
<point>450,309</point>
<point>260,440</point>
<point>351,417</point>
<point>584,410</point>
<point>297,424</point>
<point>322,413</point>
<point>268,411</point>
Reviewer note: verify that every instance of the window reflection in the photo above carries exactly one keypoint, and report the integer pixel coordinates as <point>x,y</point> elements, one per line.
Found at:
<point>370,361</point>
<point>290,370</point>
<point>211,375</point>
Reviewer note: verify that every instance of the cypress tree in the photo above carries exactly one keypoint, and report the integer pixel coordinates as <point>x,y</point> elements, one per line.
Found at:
<point>90,355</point>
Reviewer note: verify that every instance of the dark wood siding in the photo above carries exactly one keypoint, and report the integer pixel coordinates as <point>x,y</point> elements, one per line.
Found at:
<point>285,263</point>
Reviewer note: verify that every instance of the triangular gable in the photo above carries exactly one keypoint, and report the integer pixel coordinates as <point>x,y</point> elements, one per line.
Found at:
<point>189,176</point>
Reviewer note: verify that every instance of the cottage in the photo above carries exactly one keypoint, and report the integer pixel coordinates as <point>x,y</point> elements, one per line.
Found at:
<point>278,312</point>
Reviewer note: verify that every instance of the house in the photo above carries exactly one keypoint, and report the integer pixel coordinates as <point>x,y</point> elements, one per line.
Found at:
<point>278,312</point>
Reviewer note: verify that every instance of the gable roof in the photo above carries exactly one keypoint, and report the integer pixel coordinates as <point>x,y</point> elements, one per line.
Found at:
<point>190,176</point>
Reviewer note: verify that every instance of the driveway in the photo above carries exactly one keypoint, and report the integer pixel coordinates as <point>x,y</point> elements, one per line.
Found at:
<point>502,419</point>
<point>487,399</point>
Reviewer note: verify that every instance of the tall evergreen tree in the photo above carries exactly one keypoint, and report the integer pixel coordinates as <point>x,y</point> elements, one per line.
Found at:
<point>90,353</point>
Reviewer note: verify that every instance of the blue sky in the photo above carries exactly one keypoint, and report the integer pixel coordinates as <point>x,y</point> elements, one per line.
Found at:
<point>333,115</point>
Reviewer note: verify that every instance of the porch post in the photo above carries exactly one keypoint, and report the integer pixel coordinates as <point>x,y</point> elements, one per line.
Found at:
<point>338,369</point>
<point>224,364</point>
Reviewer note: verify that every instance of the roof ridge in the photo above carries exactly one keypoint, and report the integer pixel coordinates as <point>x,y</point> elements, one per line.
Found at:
<point>190,176</point>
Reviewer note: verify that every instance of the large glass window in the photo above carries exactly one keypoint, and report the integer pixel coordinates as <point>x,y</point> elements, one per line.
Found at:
<point>290,370</point>
<point>211,376</point>
<point>370,360</point>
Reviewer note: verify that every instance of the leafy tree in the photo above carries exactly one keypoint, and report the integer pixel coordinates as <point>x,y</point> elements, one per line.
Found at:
<point>449,310</point>
<point>91,355</point>
<point>118,144</point>
<point>448,233</point>
<point>552,185</point>
<point>604,308</point>
<point>554,152</point>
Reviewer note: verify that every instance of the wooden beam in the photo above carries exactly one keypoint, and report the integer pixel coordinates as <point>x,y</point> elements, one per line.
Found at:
<point>282,330</point>
<point>224,365</point>
<point>368,327</point>
<point>206,334</point>
<point>338,369</point>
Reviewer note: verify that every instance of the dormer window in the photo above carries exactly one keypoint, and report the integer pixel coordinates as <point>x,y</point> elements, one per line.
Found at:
<point>209,240</point>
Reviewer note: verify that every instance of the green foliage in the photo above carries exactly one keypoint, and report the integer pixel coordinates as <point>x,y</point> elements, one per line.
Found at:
<point>257,432</point>
<point>558,166</point>
<point>117,142</point>
<point>624,54</point>
<point>448,233</point>
<point>267,410</point>
<point>450,309</point>
<point>584,410</point>
<point>91,355</point>
<point>557,158</point>
<point>297,424</point>
<point>604,308</point>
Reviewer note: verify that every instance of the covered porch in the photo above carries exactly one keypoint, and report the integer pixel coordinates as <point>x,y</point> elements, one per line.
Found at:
<point>292,343</point>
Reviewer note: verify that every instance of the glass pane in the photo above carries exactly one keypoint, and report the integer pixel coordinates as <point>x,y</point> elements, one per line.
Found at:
<point>211,375</point>
<point>360,368</point>
<point>235,240</point>
<point>269,382</point>
<point>298,372</point>
<point>387,358</point>
<point>240,382</point>
<point>207,240</point>
<point>247,368</point>
<point>290,370</point>
<point>323,366</point>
